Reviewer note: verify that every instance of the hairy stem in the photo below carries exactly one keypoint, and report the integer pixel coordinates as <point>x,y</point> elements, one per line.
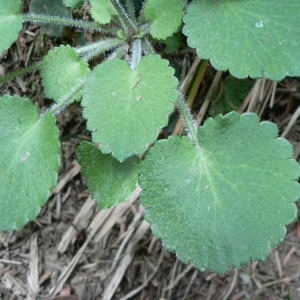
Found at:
<point>188,120</point>
<point>125,20</point>
<point>20,72</point>
<point>136,53</point>
<point>98,47</point>
<point>36,18</point>
<point>63,102</point>
<point>96,52</point>
<point>147,46</point>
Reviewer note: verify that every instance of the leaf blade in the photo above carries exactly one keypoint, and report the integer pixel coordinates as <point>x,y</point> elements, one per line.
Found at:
<point>166,17</point>
<point>29,161</point>
<point>110,181</point>
<point>102,11</point>
<point>141,104</point>
<point>62,70</point>
<point>10,22</point>
<point>250,38</point>
<point>225,204</point>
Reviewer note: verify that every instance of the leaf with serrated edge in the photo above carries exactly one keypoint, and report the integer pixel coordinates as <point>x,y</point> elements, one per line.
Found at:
<point>126,108</point>
<point>29,161</point>
<point>227,202</point>
<point>255,38</point>
<point>102,11</point>
<point>110,181</point>
<point>62,70</point>
<point>166,17</point>
<point>10,22</point>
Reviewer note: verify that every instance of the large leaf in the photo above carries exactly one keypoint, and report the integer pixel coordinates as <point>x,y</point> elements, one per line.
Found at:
<point>227,202</point>
<point>254,37</point>
<point>166,17</point>
<point>102,11</point>
<point>29,161</point>
<point>62,70</point>
<point>126,108</point>
<point>10,22</point>
<point>110,181</point>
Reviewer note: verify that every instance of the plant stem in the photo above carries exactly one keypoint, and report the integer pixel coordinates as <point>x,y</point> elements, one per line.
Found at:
<point>36,18</point>
<point>60,105</point>
<point>20,72</point>
<point>147,46</point>
<point>118,52</point>
<point>136,53</point>
<point>98,47</point>
<point>99,51</point>
<point>126,22</point>
<point>188,120</point>
<point>131,11</point>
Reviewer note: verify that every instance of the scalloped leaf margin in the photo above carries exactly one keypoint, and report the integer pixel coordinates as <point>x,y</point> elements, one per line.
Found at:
<point>102,11</point>
<point>166,17</point>
<point>62,70</point>
<point>126,108</point>
<point>29,160</point>
<point>250,38</point>
<point>226,203</point>
<point>10,22</point>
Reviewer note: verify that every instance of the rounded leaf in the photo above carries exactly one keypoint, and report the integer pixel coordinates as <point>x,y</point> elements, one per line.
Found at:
<point>110,181</point>
<point>29,161</point>
<point>227,202</point>
<point>166,17</point>
<point>126,108</point>
<point>250,38</point>
<point>10,22</point>
<point>102,11</point>
<point>62,70</point>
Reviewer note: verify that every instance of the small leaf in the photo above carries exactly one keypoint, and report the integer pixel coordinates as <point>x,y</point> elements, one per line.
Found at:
<point>29,161</point>
<point>229,96</point>
<point>166,17</point>
<point>75,4</point>
<point>110,181</point>
<point>173,43</point>
<point>102,11</point>
<point>255,38</point>
<point>62,69</point>
<point>10,22</point>
<point>126,108</point>
<point>227,202</point>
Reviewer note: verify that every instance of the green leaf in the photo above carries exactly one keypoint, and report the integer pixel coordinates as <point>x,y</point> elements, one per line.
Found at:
<point>29,161</point>
<point>10,22</point>
<point>126,108</point>
<point>75,4</point>
<point>227,202</point>
<point>102,11</point>
<point>229,95</point>
<point>50,8</point>
<point>62,70</point>
<point>166,17</point>
<point>255,38</point>
<point>173,43</point>
<point>110,181</point>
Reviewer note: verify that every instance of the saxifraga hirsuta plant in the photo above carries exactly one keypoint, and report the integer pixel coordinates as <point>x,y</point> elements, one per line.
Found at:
<point>220,195</point>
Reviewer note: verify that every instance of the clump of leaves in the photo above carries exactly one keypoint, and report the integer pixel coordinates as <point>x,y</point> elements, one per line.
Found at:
<point>219,196</point>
